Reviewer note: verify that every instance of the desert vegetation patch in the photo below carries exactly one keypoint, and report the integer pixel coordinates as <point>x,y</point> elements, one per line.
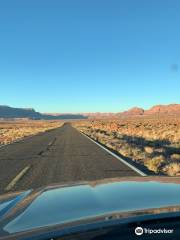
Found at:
<point>11,131</point>
<point>153,142</point>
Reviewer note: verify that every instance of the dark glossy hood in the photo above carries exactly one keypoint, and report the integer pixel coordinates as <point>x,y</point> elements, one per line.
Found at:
<point>58,205</point>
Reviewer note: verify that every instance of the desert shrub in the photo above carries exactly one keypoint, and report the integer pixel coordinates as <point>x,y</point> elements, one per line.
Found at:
<point>149,149</point>
<point>126,150</point>
<point>175,157</point>
<point>155,163</point>
<point>172,169</point>
<point>160,150</point>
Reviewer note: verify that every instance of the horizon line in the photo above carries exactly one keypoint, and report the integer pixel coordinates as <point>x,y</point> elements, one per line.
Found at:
<point>92,112</point>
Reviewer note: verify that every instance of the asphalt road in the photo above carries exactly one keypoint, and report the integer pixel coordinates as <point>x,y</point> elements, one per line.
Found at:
<point>57,156</point>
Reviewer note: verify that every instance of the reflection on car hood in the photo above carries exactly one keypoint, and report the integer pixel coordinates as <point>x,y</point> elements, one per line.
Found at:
<point>60,204</point>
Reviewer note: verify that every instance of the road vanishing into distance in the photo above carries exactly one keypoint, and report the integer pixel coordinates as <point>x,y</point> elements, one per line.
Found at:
<point>56,156</point>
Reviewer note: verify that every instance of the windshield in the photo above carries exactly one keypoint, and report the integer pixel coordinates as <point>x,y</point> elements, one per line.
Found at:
<point>89,90</point>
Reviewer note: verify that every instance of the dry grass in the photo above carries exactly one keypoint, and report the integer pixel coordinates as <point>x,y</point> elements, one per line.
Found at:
<point>172,169</point>
<point>153,142</point>
<point>11,131</point>
<point>175,157</point>
<point>155,163</point>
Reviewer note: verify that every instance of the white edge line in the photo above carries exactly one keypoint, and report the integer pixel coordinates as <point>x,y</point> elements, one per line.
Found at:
<point>116,156</point>
<point>17,178</point>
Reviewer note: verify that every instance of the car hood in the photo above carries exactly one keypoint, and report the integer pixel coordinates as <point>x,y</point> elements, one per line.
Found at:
<point>71,203</point>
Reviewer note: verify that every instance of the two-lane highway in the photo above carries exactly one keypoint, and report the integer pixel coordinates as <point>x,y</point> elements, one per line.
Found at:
<point>60,155</point>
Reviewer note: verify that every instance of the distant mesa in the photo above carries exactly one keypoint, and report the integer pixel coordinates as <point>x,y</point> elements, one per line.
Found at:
<point>171,109</point>
<point>10,112</point>
<point>164,109</point>
<point>30,113</point>
<point>134,111</point>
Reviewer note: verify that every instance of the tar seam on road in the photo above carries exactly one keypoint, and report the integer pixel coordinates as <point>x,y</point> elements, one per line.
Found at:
<point>116,156</point>
<point>17,178</point>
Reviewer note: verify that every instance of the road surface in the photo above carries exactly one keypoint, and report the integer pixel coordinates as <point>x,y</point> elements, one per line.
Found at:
<point>57,156</point>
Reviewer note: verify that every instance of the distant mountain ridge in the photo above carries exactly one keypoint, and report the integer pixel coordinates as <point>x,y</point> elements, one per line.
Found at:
<point>157,109</point>
<point>164,109</point>
<point>10,112</point>
<point>171,109</point>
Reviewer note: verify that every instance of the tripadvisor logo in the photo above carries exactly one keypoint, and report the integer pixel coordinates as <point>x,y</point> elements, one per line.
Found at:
<point>139,231</point>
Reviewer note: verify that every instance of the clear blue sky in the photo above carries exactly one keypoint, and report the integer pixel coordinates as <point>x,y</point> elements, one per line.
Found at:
<point>89,55</point>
